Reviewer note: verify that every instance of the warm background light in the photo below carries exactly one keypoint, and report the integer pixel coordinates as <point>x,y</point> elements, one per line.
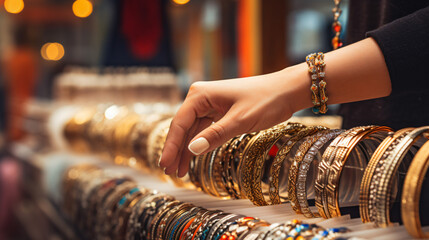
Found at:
<point>181,2</point>
<point>82,8</point>
<point>52,51</point>
<point>14,6</point>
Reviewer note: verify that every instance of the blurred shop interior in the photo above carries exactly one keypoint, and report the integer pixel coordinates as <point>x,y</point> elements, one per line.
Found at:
<point>56,52</point>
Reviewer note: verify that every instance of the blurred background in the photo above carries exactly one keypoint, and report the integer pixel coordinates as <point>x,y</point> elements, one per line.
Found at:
<point>191,40</point>
<point>198,39</point>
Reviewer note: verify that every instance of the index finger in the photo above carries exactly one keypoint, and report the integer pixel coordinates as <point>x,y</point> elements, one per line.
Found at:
<point>192,108</point>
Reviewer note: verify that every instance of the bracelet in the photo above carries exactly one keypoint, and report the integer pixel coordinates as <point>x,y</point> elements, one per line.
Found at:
<point>341,156</point>
<point>312,69</point>
<point>305,167</point>
<point>189,232</point>
<point>215,168</point>
<point>194,165</point>
<point>254,156</point>
<point>123,215</point>
<point>218,229</point>
<point>339,149</point>
<point>234,163</point>
<point>227,167</point>
<point>391,166</point>
<point>411,193</point>
<point>280,158</point>
<point>316,68</point>
<point>213,217</point>
<point>293,185</point>
<point>370,177</point>
<point>320,65</point>
<point>162,212</point>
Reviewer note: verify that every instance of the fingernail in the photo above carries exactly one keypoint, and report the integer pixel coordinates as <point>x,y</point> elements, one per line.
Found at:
<point>199,146</point>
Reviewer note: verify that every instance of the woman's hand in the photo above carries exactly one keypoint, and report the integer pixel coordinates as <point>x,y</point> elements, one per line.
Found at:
<point>353,73</point>
<point>214,112</point>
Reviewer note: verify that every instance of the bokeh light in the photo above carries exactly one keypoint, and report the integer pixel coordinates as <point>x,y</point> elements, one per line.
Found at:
<point>52,51</point>
<point>181,2</point>
<point>14,6</point>
<point>82,8</point>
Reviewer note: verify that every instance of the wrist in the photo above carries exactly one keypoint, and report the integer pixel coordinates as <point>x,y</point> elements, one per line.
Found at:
<point>296,87</point>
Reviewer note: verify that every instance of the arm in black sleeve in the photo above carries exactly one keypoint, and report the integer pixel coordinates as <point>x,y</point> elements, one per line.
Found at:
<point>405,46</point>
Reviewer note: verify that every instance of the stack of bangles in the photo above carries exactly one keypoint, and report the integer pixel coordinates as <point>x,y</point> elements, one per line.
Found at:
<point>115,207</point>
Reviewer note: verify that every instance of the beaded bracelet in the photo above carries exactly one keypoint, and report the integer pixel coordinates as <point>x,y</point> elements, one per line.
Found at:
<point>316,68</point>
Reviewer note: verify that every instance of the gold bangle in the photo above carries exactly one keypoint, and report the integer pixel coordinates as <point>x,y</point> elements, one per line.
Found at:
<point>206,182</point>
<point>367,179</point>
<point>254,156</point>
<point>382,200</point>
<point>341,156</point>
<point>304,168</point>
<point>139,138</point>
<point>155,145</point>
<point>278,162</point>
<point>76,127</point>
<point>193,171</point>
<point>234,163</point>
<point>215,169</point>
<point>411,193</point>
<point>304,147</point>
<point>226,167</point>
<point>322,172</point>
<point>121,133</point>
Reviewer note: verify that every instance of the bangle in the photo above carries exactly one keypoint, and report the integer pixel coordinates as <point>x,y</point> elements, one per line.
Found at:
<point>391,165</point>
<point>234,164</point>
<point>217,230</point>
<point>209,220</point>
<point>104,217</point>
<point>411,193</point>
<point>122,133</point>
<point>215,167</point>
<point>189,231</point>
<point>344,149</point>
<point>304,147</point>
<point>139,137</point>
<point>161,213</point>
<point>225,170</point>
<point>194,169</point>
<point>305,167</point>
<point>254,158</point>
<point>369,179</point>
<point>280,158</point>
<point>333,160</point>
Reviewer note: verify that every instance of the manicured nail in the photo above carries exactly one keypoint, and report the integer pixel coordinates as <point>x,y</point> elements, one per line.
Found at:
<point>199,146</point>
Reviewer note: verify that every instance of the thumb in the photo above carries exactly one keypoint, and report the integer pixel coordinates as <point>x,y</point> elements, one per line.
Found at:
<point>215,135</point>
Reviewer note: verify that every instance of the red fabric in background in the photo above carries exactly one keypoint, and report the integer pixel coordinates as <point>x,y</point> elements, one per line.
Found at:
<point>142,26</point>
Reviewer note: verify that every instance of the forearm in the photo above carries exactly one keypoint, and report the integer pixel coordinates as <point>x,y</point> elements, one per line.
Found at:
<point>354,73</point>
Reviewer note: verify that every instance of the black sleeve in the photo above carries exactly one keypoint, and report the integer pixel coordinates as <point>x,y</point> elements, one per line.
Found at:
<point>405,46</point>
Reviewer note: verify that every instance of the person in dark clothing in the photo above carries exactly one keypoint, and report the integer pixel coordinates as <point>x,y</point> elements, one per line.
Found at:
<point>380,75</point>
